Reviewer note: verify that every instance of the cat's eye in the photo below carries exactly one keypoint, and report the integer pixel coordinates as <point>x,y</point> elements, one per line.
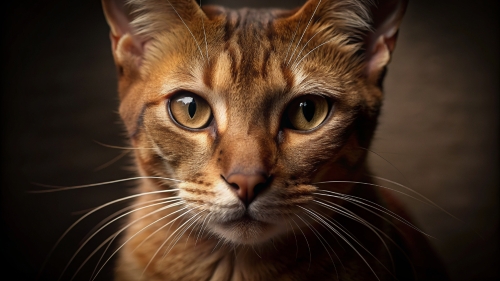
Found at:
<point>306,112</point>
<point>189,110</point>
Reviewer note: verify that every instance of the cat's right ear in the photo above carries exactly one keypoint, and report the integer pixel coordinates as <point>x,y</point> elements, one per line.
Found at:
<point>380,42</point>
<point>127,46</point>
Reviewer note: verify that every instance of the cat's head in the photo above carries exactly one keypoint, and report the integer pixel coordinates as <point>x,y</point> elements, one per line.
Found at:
<point>249,108</point>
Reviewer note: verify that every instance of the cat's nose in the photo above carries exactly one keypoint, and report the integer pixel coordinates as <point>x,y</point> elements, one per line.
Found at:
<point>247,186</point>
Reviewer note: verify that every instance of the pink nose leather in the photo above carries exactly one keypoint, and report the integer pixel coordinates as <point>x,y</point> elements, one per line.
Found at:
<point>245,184</point>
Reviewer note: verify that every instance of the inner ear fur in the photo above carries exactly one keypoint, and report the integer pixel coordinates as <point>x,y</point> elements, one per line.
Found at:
<point>134,23</point>
<point>387,16</point>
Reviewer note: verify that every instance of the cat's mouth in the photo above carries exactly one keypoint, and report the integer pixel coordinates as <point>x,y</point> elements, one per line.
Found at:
<point>245,219</point>
<point>245,230</point>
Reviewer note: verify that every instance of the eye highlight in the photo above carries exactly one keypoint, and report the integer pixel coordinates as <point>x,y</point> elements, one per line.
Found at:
<point>306,112</point>
<point>189,110</point>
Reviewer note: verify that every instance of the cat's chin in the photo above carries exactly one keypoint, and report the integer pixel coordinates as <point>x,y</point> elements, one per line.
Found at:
<point>245,231</point>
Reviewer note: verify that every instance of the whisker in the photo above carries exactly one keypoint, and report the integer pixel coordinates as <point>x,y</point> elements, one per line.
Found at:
<point>305,45</point>
<point>348,213</point>
<point>387,161</point>
<point>320,238</point>
<point>385,235</point>
<point>201,229</point>
<point>161,246</point>
<point>427,199</point>
<point>349,243</point>
<point>293,38</point>
<point>108,218</point>
<point>359,201</point>
<point>192,35</point>
<point>220,239</point>
<point>205,35</point>
<point>88,214</point>
<point>303,33</point>
<point>104,226</point>
<point>296,243</point>
<point>307,242</point>
<point>63,188</point>
<point>179,236</point>
<point>157,230</point>
<point>253,248</point>
<point>102,256</point>
<point>189,235</point>
<point>376,185</point>
<point>142,229</point>
<point>120,147</point>
<point>298,63</point>
<point>112,161</point>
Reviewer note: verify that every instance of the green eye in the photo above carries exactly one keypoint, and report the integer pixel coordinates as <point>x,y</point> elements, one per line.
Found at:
<point>306,112</point>
<point>189,110</point>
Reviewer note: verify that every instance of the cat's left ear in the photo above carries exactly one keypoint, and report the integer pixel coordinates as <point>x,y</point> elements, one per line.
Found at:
<point>386,19</point>
<point>127,45</point>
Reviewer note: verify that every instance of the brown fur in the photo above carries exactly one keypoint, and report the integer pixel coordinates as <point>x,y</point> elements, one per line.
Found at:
<point>249,65</point>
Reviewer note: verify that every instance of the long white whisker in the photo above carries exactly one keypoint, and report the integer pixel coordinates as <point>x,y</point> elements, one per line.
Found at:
<point>201,228</point>
<point>298,63</point>
<point>361,201</point>
<point>102,256</point>
<point>165,200</point>
<point>121,147</point>
<point>296,242</point>
<point>63,188</point>
<point>117,233</point>
<point>112,161</point>
<point>349,243</point>
<point>320,238</point>
<point>376,185</point>
<point>91,212</point>
<point>345,212</point>
<point>191,232</point>
<point>205,35</point>
<point>422,196</point>
<point>305,45</point>
<point>180,234</point>
<point>215,247</point>
<point>101,228</point>
<point>142,229</point>
<point>108,218</point>
<point>192,35</point>
<point>307,26</point>
<point>161,246</point>
<point>387,161</point>
<point>387,236</point>
<point>293,38</point>
<point>160,228</point>
<point>307,242</point>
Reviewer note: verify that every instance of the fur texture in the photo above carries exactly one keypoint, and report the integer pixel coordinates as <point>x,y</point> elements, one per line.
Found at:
<point>250,66</point>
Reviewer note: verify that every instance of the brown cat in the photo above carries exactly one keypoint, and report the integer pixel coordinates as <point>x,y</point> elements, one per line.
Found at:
<point>251,128</point>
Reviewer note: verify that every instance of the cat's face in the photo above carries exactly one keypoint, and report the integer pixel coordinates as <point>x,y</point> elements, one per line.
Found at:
<point>249,108</point>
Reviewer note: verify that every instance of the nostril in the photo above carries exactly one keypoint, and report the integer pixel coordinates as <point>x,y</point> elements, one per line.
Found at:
<point>235,186</point>
<point>247,186</point>
<point>259,187</point>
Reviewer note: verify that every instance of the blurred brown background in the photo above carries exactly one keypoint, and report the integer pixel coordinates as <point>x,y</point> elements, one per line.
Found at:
<point>439,129</point>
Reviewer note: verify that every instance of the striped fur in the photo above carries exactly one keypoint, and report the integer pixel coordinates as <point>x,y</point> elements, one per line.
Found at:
<point>249,65</point>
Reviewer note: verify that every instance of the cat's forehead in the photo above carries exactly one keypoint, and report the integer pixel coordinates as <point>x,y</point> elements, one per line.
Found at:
<point>249,51</point>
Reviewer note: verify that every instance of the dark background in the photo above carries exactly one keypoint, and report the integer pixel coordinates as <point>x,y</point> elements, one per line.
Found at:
<point>439,129</point>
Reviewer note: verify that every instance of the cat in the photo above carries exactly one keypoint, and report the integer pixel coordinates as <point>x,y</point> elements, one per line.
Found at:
<point>250,130</point>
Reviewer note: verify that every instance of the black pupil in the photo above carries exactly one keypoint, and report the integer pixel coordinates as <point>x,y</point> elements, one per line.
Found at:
<point>308,109</point>
<point>192,108</point>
